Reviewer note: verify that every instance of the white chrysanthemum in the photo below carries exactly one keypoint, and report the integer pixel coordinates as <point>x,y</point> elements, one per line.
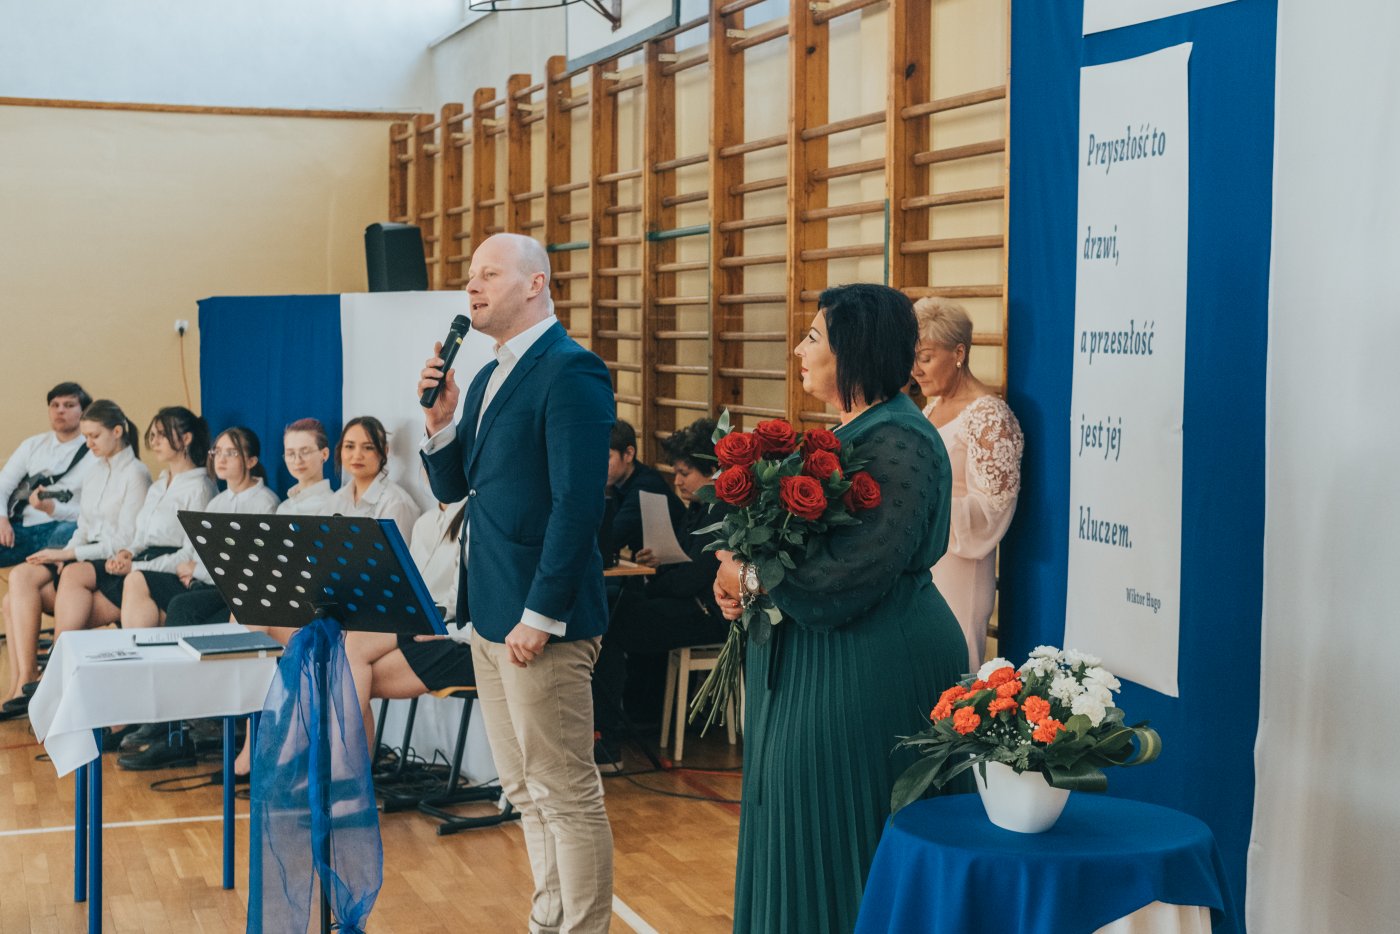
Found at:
<point>1039,666</point>
<point>1046,651</point>
<point>1064,689</point>
<point>1099,693</point>
<point>1074,658</point>
<point>1090,706</point>
<point>986,670</point>
<point>1101,675</point>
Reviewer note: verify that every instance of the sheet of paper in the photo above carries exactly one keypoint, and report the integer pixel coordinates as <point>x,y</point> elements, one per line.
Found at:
<point>112,655</point>
<point>657,533</point>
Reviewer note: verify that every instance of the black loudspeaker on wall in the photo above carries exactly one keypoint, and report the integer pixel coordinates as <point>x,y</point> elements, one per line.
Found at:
<point>394,258</point>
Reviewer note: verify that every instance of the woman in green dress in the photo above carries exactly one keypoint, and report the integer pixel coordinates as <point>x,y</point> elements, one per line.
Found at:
<point>865,645</point>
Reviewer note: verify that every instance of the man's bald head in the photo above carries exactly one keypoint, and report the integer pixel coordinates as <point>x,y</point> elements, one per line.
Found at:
<point>509,285</point>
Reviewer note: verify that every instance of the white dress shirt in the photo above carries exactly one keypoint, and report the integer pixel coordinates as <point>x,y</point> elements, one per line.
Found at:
<point>45,454</point>
<point>158,526</point>
<point>113,491</point>
<point>313,500</point>
<point>383,500</point>
<point>435,554</point>
<point>507,356</point>
<point>256,500</point>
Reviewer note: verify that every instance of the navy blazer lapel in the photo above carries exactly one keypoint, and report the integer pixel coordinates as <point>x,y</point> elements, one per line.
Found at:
<point>517,376</point>
<point>471,411</point>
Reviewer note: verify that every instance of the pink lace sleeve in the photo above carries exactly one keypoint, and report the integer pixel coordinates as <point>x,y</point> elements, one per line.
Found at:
<point>994,447</point>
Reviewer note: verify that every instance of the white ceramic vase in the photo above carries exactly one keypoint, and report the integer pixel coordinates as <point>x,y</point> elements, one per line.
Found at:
<point>1025,802</point>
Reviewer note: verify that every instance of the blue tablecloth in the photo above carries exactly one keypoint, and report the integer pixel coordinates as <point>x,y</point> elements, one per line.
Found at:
<point>943,868</point>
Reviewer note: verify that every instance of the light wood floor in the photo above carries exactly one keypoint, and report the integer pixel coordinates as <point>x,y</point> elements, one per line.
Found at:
<point>674,857</point>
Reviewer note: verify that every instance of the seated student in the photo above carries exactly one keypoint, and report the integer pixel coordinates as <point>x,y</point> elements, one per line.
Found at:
<point>627,477</point>
<point>671,609</point>
<point>90,592</point>
<point>54,461</point>
<point>362,457</point>
<point>305,450</point>
<point>389,666</point>
<point>113,490</point>
<point>148,595</point>
<point>187,596</point>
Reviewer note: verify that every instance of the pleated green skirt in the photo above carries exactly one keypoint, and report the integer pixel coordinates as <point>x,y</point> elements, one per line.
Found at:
<point>818,767</point>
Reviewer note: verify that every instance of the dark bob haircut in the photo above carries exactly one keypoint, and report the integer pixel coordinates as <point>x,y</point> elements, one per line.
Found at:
<point>873,332</point>
<point>693,445</point>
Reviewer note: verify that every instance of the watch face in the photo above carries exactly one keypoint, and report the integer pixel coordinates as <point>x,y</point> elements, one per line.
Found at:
<point>751,578</point>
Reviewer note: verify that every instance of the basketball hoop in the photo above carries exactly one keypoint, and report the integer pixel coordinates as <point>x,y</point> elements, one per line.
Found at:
<point>611,10</point>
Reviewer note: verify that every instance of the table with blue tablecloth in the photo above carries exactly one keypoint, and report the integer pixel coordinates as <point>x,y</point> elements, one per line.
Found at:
<point>943,868</point>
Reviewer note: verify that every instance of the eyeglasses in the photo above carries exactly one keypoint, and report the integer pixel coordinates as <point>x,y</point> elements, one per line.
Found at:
<point>225,454</point>
<point>305,454</point>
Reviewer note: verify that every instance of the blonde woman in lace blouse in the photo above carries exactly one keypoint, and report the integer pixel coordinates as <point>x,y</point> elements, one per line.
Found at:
<point>984,445</point>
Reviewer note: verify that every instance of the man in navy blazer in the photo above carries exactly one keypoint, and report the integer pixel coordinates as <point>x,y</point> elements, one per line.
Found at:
<point>530,458</point>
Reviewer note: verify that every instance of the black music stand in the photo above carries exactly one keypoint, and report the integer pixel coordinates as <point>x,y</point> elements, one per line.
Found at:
<point>287,571</point>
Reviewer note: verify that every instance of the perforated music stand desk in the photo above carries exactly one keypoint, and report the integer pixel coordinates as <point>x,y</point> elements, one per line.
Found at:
<point>288,571</point>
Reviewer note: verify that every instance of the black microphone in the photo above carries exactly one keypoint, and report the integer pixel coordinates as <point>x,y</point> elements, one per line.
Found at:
<point>450,345</point>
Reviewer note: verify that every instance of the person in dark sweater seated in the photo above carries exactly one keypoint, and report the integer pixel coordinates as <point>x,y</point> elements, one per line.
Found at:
<point>671,609</point>
<point>628,476</point>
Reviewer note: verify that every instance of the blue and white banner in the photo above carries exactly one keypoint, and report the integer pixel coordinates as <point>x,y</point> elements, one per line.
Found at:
<point>1101,15</point>
<point>266,361</point>
<point>1123,597</point>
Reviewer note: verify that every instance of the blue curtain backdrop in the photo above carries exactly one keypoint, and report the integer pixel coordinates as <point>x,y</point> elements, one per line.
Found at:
<point>1207,767</point>
<point>287,348</point>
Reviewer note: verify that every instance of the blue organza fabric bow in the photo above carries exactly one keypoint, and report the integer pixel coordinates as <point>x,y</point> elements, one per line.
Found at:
<point>313,802</point>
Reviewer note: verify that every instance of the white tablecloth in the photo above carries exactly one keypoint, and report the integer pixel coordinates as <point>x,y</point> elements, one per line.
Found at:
<point>78,695</point>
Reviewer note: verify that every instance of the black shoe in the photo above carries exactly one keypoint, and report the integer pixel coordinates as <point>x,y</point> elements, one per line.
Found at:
<point>239,778</point>
<point>30,688</point>
<point>169,755</point>
<point>16,706</point>
<point>606,755</point>
<point>13,714</point>
<point>145,735</point>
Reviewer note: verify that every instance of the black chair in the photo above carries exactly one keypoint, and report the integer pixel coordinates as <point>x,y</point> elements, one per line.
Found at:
<point>454,791</point>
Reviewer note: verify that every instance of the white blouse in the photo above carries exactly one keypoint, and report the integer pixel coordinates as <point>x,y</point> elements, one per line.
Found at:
<point>384,499</point>
<point>113,490</point>
<point>256,500</point>
<point>437,556</point>
<point>158,525</point>
<point>313,500</point>
<point>984,445</point>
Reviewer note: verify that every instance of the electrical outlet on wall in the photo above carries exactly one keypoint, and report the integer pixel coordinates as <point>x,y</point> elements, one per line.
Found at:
<point>181,326</point>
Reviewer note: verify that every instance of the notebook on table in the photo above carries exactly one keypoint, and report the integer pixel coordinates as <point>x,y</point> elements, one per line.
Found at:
<point>232,645</point>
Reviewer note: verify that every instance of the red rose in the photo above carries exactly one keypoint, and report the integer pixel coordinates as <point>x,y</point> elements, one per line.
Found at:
<point>736,449</point>
<point>820,439</point>
<point>735,485</point>
<point>863,494</point>
<point>801,496</point>
<point>775,437</point>
<point>821,464</point>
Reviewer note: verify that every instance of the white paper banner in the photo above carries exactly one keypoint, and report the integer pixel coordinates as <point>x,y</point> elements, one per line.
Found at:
<point>1123,600</point>
<point>1100,15</point>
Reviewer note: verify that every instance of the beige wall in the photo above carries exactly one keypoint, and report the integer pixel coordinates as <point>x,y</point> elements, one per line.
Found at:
<point>113,224</point>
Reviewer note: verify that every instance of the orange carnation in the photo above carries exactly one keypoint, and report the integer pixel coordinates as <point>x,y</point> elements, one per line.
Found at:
<point>1008,688</point>
<point>978,685</point>
<point>1049,727</point>
<point>941,711</point>
<point>1001,676</point>
<point>1002,704</point>
<point>965,720</point>
<point>1036,708</point>
<point>956,692</point>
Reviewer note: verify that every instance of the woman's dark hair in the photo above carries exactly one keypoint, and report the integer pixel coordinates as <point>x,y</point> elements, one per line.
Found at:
<point>110,415</point>
<point>70,389</point>
<point>692,444</point>
<point>245,440</point>
<point>454,528</point>
<point>873,333</point>
<point>378,439</point>
<point>175,421</point>
<point>313,427</point>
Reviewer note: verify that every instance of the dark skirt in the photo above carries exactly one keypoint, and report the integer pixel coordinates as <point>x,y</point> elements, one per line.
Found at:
<point>164,587</point>
<point>440,663</point>
<point>110,585</point>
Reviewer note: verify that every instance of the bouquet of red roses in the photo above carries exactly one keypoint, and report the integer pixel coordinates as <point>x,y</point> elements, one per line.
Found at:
<point>784,490</point>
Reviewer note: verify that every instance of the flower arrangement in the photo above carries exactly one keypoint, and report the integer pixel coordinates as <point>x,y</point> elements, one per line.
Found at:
<point>783,491</point>
<point>1053,715</point>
